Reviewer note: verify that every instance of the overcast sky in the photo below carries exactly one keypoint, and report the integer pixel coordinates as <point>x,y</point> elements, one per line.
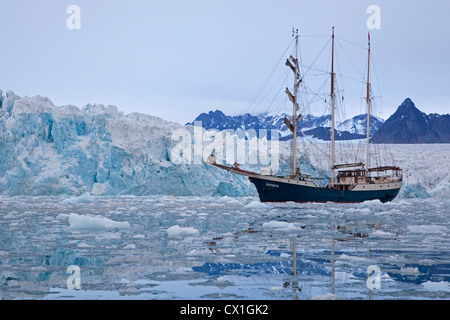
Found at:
<point>176,59</point>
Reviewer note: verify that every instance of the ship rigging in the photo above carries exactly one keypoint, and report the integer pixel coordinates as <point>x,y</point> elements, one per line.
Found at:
<point>348,182</point>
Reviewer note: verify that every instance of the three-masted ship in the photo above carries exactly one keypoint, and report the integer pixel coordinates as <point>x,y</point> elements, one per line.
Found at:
<point>349,182</point>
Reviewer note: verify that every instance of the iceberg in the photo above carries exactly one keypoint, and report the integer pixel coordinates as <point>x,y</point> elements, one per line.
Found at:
<point>257,205</point>
<point>84,198</point>
<point>177,231</point>
<point>91,223</point>
<point>433,229</point>
<point>279,225</point>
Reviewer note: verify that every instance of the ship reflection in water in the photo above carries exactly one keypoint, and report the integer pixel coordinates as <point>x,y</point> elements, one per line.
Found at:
<point>224,248</point>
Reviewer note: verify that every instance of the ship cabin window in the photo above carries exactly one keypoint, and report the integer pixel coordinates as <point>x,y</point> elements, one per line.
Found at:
<point>354,173</point>
<point>350,176</point>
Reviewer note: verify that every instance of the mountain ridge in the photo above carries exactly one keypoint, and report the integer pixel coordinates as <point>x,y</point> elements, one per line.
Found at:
<point>409,125</point>
<point>311,125</point>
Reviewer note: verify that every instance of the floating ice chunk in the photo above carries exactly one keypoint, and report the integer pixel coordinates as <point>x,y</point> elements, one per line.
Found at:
<point>399,260</point>
<point>276,288</point>
<point>84,198</point>
<point>427,229</point>
<point>130,246</point>
<point>193,252</point>
<point>354,259</point>
<point>9,216</point>
<point>409,271</point>
<point>401,202</point>
<point>39,269</point>
<point>62,216</point>
<point>380,233</point>
<point>437,286</point>
<point>328,296</point>
<point>342,277</point>
<point>222,279</point>
<point>177,231</point>
<point>226,199</point>
<point>279,225</point>
<point>257,204</point>
<point>426,262</point>
<point>84,245</point>
<point>80,222</point>
<point>373,202</point>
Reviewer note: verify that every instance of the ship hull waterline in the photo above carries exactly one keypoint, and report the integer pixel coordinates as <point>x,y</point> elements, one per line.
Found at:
<point>278,191</point>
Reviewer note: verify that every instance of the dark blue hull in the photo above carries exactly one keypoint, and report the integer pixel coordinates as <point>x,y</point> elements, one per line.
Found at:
<point>275,191</point>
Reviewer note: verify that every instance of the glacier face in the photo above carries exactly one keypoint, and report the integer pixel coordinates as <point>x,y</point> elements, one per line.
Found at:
<point>51,150</point>
<point>56,150</point>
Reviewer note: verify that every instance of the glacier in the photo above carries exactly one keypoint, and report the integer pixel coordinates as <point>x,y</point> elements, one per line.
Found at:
<point>52,150</point>
<point>99,150</point>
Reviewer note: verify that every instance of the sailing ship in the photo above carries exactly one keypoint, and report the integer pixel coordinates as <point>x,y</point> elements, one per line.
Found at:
<point>348,183</point>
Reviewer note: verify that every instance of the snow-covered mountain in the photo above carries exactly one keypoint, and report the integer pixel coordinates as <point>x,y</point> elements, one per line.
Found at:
<point>410,125</point>
<point>310,125</point>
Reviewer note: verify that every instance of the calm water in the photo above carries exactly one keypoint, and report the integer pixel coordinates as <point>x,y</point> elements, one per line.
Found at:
<point>166,247</point>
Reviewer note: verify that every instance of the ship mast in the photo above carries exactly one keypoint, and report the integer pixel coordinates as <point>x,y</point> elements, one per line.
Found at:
<point>292,125</point>
<point>333,103</point>
<point>368,112</point>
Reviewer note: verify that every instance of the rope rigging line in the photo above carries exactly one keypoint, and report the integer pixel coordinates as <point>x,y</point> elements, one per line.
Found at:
<point>266,81</point>
<point>313,93</point>
<point>281,89</point>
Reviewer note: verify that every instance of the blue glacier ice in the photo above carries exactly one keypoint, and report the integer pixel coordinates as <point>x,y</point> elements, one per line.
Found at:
<point>51,150</point>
